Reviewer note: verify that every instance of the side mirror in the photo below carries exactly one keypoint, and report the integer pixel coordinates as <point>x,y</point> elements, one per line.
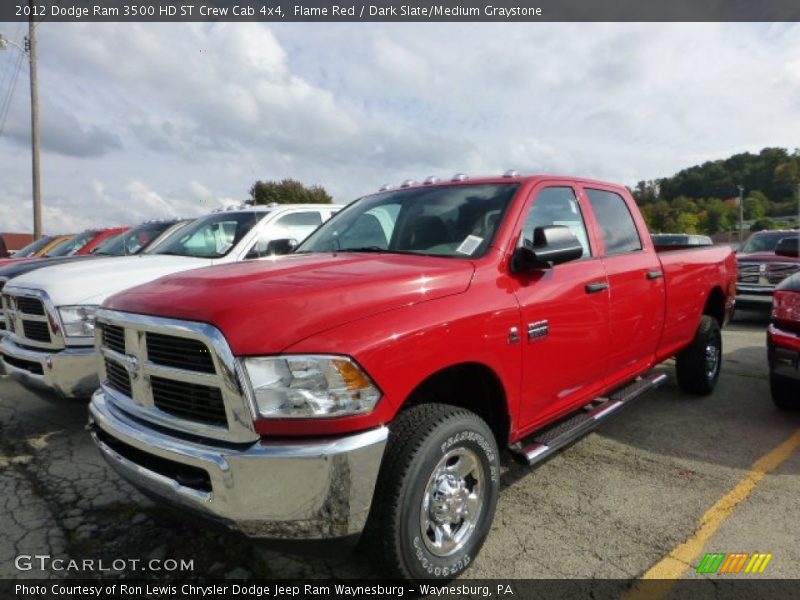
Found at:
<point>281,246</point>
<point>551,245</point>
<point>789,246</point>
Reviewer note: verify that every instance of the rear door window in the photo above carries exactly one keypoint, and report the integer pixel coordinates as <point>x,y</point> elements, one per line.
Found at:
<point>617,226</point>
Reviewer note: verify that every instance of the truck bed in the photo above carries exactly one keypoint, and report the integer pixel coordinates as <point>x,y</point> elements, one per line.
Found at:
<point>685,272</point>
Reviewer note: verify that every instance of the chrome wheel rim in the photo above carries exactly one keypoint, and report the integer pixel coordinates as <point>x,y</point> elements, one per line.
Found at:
<point>712,360</point>
<point>452,502</point>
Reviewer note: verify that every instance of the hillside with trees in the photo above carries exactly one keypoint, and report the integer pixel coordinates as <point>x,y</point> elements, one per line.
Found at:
<point>704,198</point>
<point>287,191</point>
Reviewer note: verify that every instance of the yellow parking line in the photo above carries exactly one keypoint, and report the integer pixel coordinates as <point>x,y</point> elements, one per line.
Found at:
<point>683,556</point>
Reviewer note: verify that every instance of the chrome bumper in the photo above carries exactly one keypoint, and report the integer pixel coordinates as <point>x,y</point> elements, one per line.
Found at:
<point>298,490</point>
<point>71,372</point>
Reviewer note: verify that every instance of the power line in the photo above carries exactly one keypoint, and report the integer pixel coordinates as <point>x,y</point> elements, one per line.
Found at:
<point>10,65</point>
<point>5,107</point>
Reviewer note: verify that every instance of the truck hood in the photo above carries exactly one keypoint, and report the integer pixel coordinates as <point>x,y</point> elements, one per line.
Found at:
<point>765,257</point>
<point>92,281</point>
<point>264,306</point>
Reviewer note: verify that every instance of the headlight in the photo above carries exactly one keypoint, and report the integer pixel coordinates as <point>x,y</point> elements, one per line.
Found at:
<point>78,321</point>
<point>303,386</point>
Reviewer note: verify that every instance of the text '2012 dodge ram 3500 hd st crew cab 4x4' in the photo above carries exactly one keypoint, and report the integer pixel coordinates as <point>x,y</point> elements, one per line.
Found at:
<point>50,312</point>
<point>366,381</point>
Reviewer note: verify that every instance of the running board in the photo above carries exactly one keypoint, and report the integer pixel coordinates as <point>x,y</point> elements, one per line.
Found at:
<point>548,441</point>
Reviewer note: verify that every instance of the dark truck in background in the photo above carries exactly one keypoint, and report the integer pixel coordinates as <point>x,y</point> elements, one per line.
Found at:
<point>367,381</point>
<point>765,260</point>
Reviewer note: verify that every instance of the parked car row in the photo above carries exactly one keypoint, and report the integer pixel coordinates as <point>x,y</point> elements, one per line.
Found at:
<point>65,245</point>
<point>50,305</point>
<point>90,244</point>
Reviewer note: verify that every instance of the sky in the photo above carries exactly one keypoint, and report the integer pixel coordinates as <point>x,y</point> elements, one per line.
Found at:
<point>146,121</point>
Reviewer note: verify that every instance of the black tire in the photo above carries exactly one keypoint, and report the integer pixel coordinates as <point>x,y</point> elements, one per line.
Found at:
<point>696,373</point>
<point>785,392</point>
<point>423,441</point>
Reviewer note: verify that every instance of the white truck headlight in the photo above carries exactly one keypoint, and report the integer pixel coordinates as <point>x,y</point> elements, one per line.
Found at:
<point>303,386</point>
<point>78,321</point>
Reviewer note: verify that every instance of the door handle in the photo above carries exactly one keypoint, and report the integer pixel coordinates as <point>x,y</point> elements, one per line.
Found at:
<point>597,286</point>
<point>655,274</point>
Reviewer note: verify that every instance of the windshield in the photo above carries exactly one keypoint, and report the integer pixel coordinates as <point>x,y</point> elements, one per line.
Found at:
<point>763,242</point>
<point>454,221</point>
<point>165,237</point>
<point>212,236</point>
<point>133,241</point>
<point>33,247</point>
<point>73,245</point>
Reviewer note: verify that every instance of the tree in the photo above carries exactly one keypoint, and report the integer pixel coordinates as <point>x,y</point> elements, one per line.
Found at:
<point>756,205</point>
<point>717,217</point>
<point>762,224</point>
<point>687,222</point>
<point>288,191</point>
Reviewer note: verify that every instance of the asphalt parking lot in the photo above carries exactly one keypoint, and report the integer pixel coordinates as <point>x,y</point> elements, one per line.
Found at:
<point>611,506</point>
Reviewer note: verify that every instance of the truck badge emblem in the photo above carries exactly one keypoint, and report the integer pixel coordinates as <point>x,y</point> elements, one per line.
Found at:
<point>538,330</point>
<point>132,365</point>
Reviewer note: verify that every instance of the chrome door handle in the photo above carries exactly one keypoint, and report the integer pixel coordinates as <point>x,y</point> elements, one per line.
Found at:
<point>655,274</point>
<point>597,286</point>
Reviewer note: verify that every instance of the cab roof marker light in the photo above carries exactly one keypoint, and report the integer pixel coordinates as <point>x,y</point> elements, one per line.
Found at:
<point>385,187</point>
<point>430,180</point>
<point>408,183</point>
<point>459,177</point>
<point>511,173</point>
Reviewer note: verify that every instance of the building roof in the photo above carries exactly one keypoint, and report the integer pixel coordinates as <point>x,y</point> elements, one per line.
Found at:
<point>15,241</point>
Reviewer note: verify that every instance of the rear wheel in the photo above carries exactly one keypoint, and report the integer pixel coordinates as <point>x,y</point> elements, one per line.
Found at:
<point>785,392</point>
<point>436,493</point>
<point>698,365</point>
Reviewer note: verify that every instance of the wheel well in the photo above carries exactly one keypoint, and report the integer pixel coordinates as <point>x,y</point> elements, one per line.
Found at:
<point>473,386</point>
<point>715,305</point>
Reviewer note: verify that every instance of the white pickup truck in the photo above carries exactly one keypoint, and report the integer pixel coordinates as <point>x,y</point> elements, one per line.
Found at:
<point>49,312</point>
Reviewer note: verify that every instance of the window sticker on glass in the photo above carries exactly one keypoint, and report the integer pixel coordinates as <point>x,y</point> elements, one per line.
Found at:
<point>470,244</point>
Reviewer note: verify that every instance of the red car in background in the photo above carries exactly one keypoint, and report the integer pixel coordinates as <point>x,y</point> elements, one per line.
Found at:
<point>85,242</point>
<point>783,344</point>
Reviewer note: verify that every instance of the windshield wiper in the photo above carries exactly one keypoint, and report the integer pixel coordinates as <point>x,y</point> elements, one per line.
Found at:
<point>364,249</point>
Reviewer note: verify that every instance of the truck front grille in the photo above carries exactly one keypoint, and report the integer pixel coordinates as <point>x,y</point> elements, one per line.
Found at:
<point>174,374</point>
<point>114,338</point>
<point>777,272</point>
<point>36,330</point>
<point>189,400</point>
<point>30,306</point>
<point>749,272</point>
<point>178,352</point>
<point>27,319</point>
<point>118,377</point>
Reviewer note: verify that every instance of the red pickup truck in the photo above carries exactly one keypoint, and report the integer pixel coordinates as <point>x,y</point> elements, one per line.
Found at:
<point>367,380</point>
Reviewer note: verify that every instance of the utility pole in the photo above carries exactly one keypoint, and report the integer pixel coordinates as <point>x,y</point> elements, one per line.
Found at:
<point>36,174</point>
<point>741,212</point>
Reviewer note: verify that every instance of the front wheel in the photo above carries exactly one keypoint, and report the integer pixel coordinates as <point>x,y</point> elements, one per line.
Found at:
<point>437,492</point>
<point>698,365</point>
